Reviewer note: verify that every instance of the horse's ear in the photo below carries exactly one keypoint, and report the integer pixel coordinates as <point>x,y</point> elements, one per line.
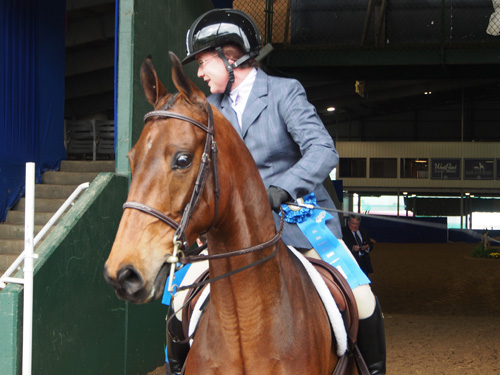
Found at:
<point>151,84</point>
<point>185,86</point>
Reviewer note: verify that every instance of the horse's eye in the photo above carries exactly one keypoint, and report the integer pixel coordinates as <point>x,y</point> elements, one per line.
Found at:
<point>182,161</point>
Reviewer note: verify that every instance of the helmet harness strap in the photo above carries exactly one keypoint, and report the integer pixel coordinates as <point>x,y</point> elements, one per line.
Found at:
<point>230,67</point>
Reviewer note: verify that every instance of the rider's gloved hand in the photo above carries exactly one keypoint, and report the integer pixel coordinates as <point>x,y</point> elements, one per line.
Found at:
<point>276,197</point>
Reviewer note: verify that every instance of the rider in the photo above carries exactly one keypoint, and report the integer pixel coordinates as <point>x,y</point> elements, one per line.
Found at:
<point>291,147</point>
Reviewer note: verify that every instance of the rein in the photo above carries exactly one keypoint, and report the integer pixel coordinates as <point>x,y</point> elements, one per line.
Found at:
<point>199,258</point>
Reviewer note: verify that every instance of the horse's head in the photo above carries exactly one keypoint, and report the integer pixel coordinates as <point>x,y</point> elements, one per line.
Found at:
<point>165,163</point>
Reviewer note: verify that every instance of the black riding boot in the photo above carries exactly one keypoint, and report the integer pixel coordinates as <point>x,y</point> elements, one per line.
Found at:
<point>371,341</point>
<point>176,351</point>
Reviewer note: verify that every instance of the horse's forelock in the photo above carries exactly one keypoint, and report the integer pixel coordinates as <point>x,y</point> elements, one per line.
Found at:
<point>167,103</point>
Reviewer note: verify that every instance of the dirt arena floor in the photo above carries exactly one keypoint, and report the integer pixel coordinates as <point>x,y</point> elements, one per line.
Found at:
<point>441,309</point>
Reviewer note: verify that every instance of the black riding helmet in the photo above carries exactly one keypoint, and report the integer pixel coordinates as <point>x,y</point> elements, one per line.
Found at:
<point>219,27</point>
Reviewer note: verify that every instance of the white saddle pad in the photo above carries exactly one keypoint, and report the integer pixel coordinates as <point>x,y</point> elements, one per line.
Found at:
<point>331,307</point>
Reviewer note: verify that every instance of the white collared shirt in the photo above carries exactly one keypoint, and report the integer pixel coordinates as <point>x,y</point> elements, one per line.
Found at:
<point>239,95</point>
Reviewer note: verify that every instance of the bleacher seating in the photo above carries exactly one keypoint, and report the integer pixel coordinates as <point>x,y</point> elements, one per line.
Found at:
<point>105,139</point>
<point>89,139</point>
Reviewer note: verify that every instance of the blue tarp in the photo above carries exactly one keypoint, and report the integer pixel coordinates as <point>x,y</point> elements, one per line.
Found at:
<point>32,55</point>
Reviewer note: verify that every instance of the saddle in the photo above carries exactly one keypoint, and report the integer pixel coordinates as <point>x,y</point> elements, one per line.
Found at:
<point>336,283</point>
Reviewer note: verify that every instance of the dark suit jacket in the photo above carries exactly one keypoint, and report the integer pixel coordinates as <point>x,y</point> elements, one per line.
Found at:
<point>364,260</point>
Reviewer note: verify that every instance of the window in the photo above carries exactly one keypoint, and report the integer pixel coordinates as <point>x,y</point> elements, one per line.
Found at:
<point>414,168</point>
<point>352,167</point>
<point>383,168</point>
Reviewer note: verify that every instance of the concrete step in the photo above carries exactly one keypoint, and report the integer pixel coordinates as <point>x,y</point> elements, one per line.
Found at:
<point>67,178</point>
<point>54,191</point>
<point>15,232</point>
<point>17,217</point>
<point>56,187</point>
<point>11,247</point>
<point>41,205</point>
<point>6,260</point>
<point>87,166</point>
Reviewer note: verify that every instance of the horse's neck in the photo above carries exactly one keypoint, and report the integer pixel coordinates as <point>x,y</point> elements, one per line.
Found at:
<point>245,224</point>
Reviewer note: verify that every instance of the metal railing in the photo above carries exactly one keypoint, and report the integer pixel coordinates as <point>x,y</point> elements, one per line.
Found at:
<point>14,266</point>
<point>28,256</point>
<point>399,24</point>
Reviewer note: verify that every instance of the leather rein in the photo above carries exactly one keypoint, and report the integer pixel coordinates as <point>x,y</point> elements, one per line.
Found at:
<point>208,157</point>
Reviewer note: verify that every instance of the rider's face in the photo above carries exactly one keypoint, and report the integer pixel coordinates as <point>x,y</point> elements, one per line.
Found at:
<point>211,68</point>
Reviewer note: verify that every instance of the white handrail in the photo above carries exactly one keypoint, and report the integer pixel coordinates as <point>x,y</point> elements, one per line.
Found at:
<point>28,256</point>
<point>13,267</point>
<point>29,224</point>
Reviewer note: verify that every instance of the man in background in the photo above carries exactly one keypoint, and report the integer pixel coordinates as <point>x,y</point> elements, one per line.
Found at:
<point>359,242</point>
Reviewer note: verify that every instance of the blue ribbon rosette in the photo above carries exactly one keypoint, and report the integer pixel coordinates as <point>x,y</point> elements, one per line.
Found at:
<point>296,214</point>
<point>312,222</point>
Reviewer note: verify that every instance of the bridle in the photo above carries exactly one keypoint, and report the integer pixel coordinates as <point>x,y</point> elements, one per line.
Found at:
<point>208,157</point>
<point>209,154</point>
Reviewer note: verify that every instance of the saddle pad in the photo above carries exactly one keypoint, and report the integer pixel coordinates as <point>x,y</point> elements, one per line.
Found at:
<point>197,311</point>
<point>193,311</point>
<point>342,294</point>
<point>331,307</point>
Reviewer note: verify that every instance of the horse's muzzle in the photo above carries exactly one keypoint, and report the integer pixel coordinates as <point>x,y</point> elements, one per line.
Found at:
<point>128,284</point>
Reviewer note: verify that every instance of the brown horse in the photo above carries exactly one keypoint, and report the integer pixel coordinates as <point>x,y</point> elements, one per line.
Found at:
<point>266,319</point>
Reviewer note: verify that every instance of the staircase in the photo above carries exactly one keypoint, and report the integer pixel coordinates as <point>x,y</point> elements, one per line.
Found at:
<point>55,188</point>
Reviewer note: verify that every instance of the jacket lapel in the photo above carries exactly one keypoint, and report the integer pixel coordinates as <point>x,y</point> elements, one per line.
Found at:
<point>256,102</point>
<point>229,113</point>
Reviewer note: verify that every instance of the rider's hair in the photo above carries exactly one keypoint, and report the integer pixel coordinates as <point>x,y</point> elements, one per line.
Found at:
<point>355,217</point>
<point>234,52</point>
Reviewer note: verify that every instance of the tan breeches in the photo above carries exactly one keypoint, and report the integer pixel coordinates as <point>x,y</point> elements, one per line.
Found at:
<point>365,299</point>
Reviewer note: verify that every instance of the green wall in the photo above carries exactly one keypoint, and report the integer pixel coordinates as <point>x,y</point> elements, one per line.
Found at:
<point>11,319</point>
<point>79,325</point>
<point>152,27</point>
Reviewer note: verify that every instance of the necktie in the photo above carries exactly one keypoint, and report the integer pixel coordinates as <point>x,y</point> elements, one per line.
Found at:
<point>359,242</point>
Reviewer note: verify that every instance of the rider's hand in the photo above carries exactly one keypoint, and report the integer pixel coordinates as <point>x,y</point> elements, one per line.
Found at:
<point>276,197</point>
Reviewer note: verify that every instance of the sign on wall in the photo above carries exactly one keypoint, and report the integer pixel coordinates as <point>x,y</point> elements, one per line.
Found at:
<point>478,169</point>
<point>445,169</point>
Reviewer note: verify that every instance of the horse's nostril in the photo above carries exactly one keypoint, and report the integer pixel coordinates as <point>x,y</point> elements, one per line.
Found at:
<point>130,280</point>
<point>106,275</point>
